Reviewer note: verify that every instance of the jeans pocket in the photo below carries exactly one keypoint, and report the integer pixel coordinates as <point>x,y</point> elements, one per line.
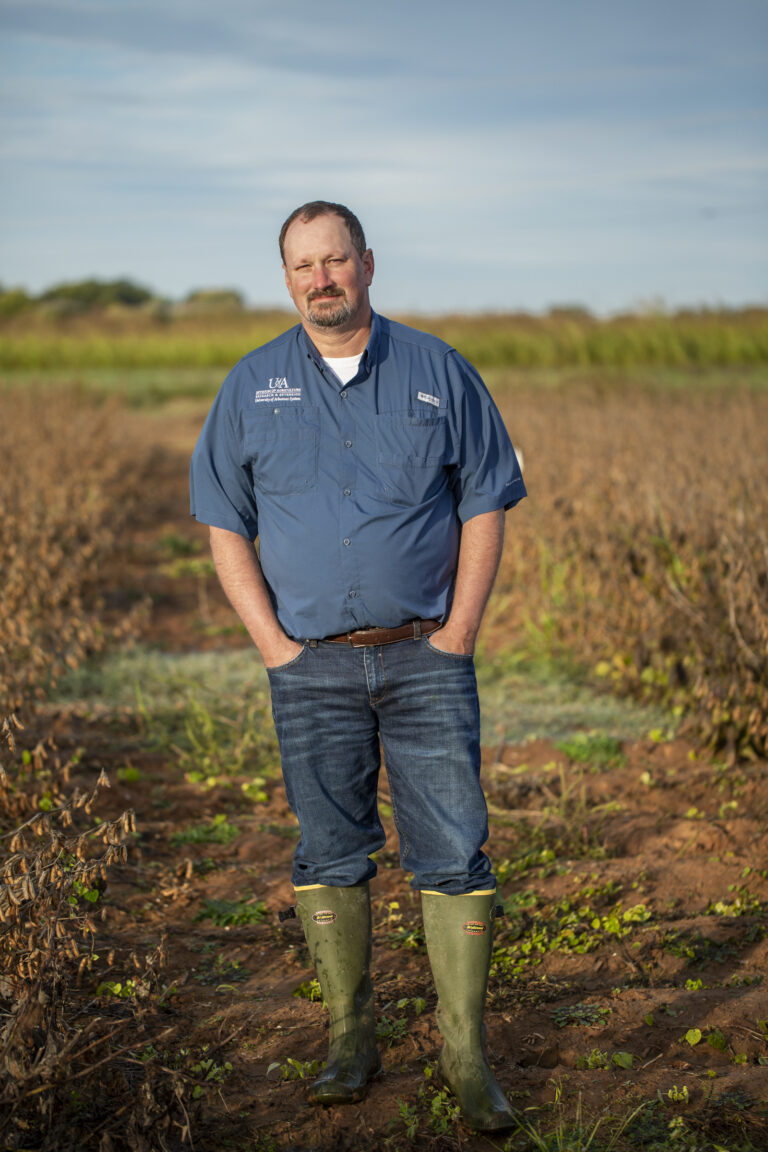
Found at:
<point>289,664</point>
<point>447,655</point>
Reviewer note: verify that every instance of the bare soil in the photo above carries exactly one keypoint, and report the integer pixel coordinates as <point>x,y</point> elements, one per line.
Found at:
<point>635,893</point>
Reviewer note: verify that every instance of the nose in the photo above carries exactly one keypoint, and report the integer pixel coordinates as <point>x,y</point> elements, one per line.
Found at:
<point>320,277</point>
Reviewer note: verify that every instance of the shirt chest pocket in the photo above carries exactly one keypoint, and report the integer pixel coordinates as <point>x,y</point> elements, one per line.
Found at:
<point>280,449</point>
<point>412,451</point>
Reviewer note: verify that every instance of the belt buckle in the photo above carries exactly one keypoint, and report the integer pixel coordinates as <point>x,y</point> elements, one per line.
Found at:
<point>360,643</point>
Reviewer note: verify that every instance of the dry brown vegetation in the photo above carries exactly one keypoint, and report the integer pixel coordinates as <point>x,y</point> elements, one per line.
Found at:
<point>642,551</point>
<point>67,485</point>
<point>145,984</point>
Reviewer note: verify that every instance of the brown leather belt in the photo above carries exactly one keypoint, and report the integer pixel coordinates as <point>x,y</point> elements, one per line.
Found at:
<point>365,637</point>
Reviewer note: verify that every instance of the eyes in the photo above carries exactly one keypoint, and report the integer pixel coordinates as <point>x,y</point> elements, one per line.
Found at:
<point>332,260</point>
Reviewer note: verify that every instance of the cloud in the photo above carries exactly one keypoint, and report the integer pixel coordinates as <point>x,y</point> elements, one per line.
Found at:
<point>546,135</point>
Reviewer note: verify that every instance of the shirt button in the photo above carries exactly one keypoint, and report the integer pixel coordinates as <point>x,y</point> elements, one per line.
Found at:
<point>353,593</point>
<point>347,491</point>
<point>346,543</point>
<point>347,443</point>
<point>342,394</point>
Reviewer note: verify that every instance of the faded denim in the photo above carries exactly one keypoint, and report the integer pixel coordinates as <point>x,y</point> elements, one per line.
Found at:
<point>332,704</point>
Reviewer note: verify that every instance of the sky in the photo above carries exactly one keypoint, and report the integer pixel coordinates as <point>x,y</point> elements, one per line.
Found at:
<point>501,154</point>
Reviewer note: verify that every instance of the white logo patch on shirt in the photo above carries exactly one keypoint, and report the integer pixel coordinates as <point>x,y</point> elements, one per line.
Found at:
<point>425,396</point>
<point>277,389</point>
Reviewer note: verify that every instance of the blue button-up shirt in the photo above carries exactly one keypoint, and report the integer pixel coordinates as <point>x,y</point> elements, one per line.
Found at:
<point>356,491</point>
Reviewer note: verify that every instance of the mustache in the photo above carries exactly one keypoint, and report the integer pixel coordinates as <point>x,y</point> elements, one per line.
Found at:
<point>324,294</point>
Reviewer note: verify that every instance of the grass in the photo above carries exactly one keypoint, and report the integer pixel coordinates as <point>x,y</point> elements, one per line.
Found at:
<point>120,339</point>
<point>520,700</point>
<point>565,1134</point>
<point>208,711</point>
<point>163,678</point>
<point>152,388</point>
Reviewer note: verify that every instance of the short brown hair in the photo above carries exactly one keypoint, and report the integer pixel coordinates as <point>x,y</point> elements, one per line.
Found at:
<point>317,208</point>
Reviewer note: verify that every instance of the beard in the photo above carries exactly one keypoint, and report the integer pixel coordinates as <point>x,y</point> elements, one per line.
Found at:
<point>329,317</point>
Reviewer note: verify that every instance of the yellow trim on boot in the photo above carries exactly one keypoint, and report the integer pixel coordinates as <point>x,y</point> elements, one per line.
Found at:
<point>309,887</point>
<point>481,892</point>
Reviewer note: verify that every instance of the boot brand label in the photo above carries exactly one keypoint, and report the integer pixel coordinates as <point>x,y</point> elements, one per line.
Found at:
<point>326,916</point>
<point>474,928</point>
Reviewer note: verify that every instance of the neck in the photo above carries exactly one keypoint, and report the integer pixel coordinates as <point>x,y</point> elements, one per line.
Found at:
<point>340,341</point>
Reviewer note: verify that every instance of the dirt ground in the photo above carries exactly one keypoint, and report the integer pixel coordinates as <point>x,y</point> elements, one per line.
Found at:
<point>629,966</point>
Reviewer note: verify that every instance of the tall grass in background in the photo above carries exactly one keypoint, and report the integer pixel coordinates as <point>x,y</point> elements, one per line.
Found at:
<point>132,339</point>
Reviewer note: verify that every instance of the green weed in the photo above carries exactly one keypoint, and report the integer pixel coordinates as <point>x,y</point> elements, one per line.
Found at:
<point>593,1060</point>
<point>404,937</point>
<point>408,1114</point>
<point>575,1134</point>
<point>309,990</point>
<point>209,1073</point>
<point>128,774</point>
<point>539,861</point>
<point>294,1069</point>
<point>216,831</point>
<point>391,1030</point>
<point>442,1111</point>
<point>568,927</point>
<point>698,949</point>
<point>580,1015</point>
<point>222,972</point>
<point>233,913</point>
<point>595,748</point>
<point>122,989</point>
<point>742,903</point>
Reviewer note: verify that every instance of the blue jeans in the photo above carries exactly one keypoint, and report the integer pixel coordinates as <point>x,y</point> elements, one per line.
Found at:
<point>334,707</point>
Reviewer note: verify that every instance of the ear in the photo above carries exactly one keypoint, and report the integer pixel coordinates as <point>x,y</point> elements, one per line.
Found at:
<point>287,282</point>
<point>368,265</point>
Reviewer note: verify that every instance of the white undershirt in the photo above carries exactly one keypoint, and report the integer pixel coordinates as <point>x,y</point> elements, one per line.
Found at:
<point>345,367</point>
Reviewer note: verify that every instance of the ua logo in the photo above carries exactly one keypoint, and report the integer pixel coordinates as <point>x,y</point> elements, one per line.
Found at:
<point>278,382</point>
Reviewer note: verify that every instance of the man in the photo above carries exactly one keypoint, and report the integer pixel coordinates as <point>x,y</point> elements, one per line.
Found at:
<point>375,470</point>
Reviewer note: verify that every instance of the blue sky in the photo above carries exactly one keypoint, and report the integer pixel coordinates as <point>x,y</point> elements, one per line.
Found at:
<point>500,155</point>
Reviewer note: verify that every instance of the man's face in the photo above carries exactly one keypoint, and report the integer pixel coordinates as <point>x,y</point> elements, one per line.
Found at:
<point>326,278</point>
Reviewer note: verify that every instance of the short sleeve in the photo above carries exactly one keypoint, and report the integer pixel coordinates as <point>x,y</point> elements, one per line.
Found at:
<point>221,490</point>
<point>487,475</point>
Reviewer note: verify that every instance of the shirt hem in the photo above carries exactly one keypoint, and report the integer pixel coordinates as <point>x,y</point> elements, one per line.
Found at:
<point>477,506</point>
<point>229,524</point>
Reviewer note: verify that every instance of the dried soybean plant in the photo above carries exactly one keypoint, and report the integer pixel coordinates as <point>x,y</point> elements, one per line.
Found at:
<point>71,1072</point>
<point>642,550</point>
<point>53,873</point>
<point>70,1076</point>
<point>53,865</point>
<point>68,480</point>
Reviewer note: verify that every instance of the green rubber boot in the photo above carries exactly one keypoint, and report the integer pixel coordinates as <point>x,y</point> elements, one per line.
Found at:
<point>337,925</point>
<point>459,933</point>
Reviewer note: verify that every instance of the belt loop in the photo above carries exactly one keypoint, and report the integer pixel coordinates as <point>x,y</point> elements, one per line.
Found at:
<point>417,629</point>
<point>312,643</point>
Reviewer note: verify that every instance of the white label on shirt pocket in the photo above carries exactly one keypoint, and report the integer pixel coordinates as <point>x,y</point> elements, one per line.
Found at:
<point>270,395</point>
<point>425,396</point>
